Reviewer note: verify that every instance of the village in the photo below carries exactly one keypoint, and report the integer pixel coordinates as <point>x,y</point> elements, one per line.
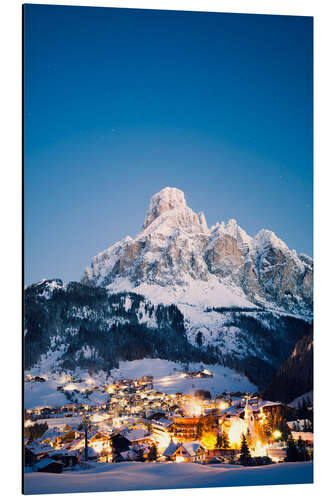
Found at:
<point>140,424</point>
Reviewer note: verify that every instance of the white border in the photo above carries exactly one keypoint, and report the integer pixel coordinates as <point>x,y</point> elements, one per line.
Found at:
<point>10,210</point>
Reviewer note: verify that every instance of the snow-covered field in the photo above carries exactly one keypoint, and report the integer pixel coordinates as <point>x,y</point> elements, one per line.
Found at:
<point>60,421</point>
<point>213,293</point>
<point>46,394</point>
<point>145,476</point>
<point>167,378</point>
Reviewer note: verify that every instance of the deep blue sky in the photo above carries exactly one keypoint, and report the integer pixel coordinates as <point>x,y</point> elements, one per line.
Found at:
<point>120,103</point>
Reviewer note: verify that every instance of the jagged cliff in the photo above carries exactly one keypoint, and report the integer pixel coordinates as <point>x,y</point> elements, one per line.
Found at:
<point>177,258</point>
<point>179,291</point>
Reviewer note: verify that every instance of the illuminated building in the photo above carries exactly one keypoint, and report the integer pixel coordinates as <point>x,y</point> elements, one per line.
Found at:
<point>186,428</point>
<point>192,451</point>
<point>160,430</point>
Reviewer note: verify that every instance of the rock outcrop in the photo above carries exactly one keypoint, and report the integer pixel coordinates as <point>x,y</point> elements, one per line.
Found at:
<point>177,258</point>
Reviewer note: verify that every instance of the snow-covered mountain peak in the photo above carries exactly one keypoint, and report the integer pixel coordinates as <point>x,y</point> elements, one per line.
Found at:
<point>232,223</point>
<point>202,220</point>
<point>267,238</point>
<point>245,242</point>
<point>177,257</point>
<point>169,214</point>
<point>167,199</point>
<point>176,289</point>
<point>45,287</point>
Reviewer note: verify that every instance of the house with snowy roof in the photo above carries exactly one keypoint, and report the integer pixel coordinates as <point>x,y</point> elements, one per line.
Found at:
<point>40,450</point>
<point>92,454</point>
<point>171,449</point>
<point>48,465</point>
<point>161,430</point>
<point>127,456</point>
<point>271,407</point>
<point>136,436</point>
<point>66,457</point>
<point>257,408</point>
<point>191,451</point>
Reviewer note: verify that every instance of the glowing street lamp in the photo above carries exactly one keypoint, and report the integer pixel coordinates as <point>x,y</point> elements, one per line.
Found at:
<point>277,434</point>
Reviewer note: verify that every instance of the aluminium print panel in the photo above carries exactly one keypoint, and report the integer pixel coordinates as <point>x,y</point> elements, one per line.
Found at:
<point>168,270</point>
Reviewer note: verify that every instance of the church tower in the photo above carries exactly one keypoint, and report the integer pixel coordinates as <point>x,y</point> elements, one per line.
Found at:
<point>248,415</point>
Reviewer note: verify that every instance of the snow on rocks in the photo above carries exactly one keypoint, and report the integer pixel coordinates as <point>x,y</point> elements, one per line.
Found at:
<point>177,258</point>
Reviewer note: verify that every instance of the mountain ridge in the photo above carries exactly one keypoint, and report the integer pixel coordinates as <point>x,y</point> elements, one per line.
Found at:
<point>176,253</point>
<point>70,326</point>
<point>178,291</point>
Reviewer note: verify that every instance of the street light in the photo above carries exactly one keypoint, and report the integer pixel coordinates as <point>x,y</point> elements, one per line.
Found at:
<point>86,426</point>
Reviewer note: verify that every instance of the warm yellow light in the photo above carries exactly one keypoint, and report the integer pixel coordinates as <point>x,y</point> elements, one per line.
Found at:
<point>70,387</point>
<point>193,407</point>
<point>64,378</point>
<point>259,450</point>
<point>223,405</point>
<point>100,446</point>
<point>238,427</point>
<point>99,418</point>
<point>262,415</point>
<point>277,434</point>
<point>162,441</point>
<point>209,440</point>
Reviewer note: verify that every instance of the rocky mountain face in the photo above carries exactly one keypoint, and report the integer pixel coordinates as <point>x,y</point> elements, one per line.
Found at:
<point>179,291</point>
<point>176,258</point>
<point>295,376</point>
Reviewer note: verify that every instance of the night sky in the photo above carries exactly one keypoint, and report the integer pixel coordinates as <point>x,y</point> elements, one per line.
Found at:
<point>120,103</point>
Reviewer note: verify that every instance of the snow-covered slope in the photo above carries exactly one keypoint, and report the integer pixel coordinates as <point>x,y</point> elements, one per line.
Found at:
<point>75,326</point>
<point>178,291</point>
<point>168,377</point>
<point>157,476</point>
<point>176,258</point>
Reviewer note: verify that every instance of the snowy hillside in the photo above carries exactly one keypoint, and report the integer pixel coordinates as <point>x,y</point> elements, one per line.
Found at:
<point>179,291</point>
<point>74,326</point>
<point>168,377</point>
<point>146,476</point>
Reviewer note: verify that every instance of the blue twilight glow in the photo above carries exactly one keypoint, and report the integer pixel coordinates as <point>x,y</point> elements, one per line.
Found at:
<point>121,103</point>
